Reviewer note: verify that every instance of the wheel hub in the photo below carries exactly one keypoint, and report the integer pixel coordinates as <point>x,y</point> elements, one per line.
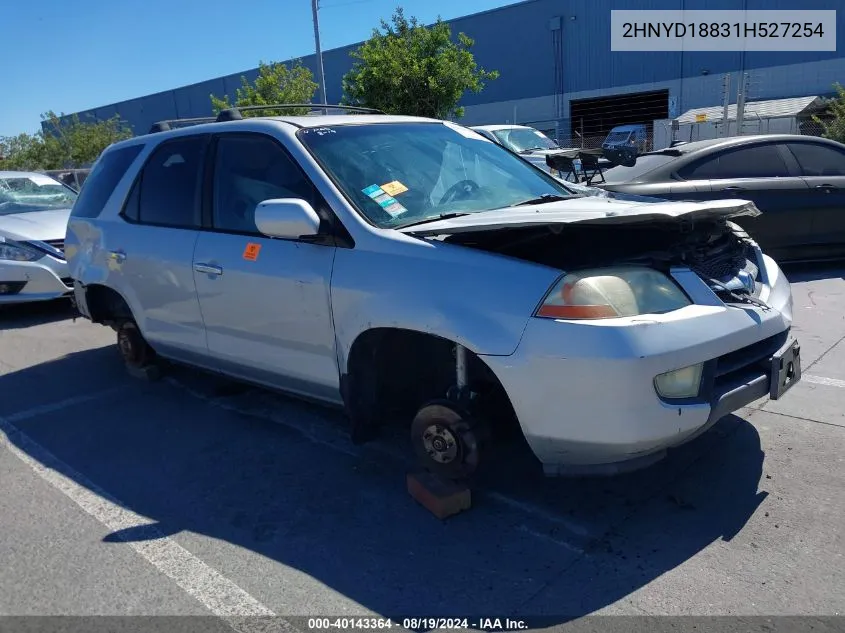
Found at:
<point>440,444</point>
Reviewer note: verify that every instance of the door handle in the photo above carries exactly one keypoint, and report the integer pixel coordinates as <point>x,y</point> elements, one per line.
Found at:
<point>118,256</point>
<point>208,269</point>
<point>733,189</point>
<point>826,187</point>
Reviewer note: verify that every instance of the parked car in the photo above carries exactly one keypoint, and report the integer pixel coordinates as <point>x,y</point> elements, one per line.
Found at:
<point>798,182</point>
<point>532,144</point>
<point>624,143</point>
<point>34,210</point>
<point>412,271</point>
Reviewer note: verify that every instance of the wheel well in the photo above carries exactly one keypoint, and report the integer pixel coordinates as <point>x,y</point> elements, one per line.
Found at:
<point>392,372</point>
<point>106,305</point>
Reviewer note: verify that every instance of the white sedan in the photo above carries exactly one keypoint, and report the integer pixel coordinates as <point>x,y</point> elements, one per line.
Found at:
<point>34,210</point>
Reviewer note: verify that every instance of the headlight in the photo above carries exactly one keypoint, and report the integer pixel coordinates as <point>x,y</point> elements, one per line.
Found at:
<point>17,252</point>
<point>606,293</point>
<point>680,383</point>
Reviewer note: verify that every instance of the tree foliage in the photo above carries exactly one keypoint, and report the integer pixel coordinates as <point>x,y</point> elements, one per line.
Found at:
<point>408,68</point>
<point>64,142</point>
<point>834,127</point>
<point>276,83</point>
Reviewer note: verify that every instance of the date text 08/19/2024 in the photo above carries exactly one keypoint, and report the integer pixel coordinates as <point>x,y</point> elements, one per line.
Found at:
<point>416,624</point>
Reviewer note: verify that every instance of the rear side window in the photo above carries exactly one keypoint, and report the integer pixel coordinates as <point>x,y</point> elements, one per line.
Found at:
<point>761,161</point>
<point>818,160</point>
<point>101,182</point>
<point>169,189</point>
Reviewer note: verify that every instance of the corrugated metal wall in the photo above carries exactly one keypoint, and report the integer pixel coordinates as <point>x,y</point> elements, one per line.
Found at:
<point>549,51</point>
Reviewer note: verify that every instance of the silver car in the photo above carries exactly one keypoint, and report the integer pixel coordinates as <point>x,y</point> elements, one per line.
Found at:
<point>411,271</point>
<point>34,210</point>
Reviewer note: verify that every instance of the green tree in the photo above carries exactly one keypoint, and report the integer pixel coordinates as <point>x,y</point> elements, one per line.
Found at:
<point>834,127</point>
<point>408,68</point>
<point>64,142</point>
<point>276,83</point>
<point>71,143</point>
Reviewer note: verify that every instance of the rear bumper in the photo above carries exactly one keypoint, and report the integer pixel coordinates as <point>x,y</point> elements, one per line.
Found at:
<point>42,280</point>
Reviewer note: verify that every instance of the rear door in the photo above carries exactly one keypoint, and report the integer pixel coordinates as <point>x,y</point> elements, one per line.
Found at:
<point>151,256</point>
<point>766,175</point>
<point>822,167</point>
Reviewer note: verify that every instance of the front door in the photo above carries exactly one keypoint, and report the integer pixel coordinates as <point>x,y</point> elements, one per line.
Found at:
<point>760,173</point>
<point>265,302</point>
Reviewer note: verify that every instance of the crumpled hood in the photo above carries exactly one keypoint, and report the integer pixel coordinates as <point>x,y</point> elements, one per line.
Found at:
<point>35,225</point>
<point>589,210</point>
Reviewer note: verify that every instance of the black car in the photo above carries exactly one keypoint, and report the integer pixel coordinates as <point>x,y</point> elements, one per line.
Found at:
<point>798,182</point>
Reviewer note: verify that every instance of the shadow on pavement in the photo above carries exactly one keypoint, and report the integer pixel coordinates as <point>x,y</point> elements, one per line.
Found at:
<point>19,316</point>
<point>340,514</point>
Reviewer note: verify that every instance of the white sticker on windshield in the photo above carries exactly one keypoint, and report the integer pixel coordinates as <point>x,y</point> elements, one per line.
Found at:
<point>466,132</point>
<point>42,180</point>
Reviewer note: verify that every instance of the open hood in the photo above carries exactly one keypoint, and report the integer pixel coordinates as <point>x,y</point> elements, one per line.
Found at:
<point>590,210</point>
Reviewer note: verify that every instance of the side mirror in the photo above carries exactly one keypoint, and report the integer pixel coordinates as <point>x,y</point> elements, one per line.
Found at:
<point>287,218</point>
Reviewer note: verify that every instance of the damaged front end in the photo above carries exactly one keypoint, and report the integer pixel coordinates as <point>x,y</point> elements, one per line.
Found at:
<point>716,249</point>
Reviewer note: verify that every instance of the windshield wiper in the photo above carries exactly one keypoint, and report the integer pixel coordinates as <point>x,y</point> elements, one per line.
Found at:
<point>546,197</point>
<point>442,216</point>
<point>529,150</point>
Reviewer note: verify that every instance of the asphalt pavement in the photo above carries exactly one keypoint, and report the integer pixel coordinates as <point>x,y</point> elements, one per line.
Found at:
<point>195,496</point>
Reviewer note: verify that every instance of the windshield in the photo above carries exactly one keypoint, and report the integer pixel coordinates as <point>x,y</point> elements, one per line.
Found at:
<point>520,139</point>
<point>645,163</point>
<point>33,192</point>
<point>401,173</point>
<point>617,137</point>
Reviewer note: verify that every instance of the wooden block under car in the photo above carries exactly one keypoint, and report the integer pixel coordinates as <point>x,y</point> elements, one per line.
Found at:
<point>440,497</point>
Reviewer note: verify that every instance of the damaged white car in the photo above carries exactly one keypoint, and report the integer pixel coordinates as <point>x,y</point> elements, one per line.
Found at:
<point>413,272</point>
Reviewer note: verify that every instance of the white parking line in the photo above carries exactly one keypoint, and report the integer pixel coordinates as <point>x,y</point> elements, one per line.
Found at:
<point>62,404</point>
<point>218,594</point>
<point>821,380</point>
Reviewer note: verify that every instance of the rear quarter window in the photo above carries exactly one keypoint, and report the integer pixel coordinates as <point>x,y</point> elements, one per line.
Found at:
<point>102,181</point>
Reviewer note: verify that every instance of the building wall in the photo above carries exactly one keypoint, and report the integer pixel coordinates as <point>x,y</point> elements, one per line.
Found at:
<point>558,51</point>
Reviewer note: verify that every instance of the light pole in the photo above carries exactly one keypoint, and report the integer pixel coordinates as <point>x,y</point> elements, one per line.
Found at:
<point>320,77</point>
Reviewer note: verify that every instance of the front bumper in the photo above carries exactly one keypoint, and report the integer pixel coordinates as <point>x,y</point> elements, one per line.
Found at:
<point>584,393</point>
<point>41,280</point>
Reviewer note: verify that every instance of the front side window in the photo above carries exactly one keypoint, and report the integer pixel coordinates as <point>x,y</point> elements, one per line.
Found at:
<point>519,139</point>
<point>400,173</point>
<point>761,161</point>
<point>169,191</point>
<point>251,168</point>
<point>33,192</point>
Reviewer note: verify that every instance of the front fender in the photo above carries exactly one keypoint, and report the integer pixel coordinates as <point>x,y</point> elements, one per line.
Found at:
<point>479,300</point>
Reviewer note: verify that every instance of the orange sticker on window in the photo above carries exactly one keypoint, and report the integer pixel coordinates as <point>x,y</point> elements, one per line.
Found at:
<point>394,188</point>
<point>251,251</point>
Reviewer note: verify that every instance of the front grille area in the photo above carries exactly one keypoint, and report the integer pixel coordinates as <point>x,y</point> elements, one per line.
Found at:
<point>751,357</point>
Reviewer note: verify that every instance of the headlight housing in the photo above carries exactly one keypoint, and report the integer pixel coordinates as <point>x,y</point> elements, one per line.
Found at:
<point>680,383</point>
<point>17,252</point>
<point>607,293</point>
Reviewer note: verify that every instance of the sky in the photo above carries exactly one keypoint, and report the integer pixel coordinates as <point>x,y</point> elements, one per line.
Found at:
<point>73,55</point>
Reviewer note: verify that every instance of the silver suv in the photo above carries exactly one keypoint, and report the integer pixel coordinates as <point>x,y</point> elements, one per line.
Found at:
<point>411,270</point>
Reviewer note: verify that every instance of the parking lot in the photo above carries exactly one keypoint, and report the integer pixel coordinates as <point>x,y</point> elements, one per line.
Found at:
<point>192,495</point>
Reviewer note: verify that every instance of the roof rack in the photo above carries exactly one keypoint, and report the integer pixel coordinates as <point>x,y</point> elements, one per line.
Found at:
<point>234,114</point>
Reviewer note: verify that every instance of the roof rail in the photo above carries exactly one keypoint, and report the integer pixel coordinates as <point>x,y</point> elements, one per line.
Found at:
<point>164,126</point>
<point>234,114</point>
<point>313,106</point>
